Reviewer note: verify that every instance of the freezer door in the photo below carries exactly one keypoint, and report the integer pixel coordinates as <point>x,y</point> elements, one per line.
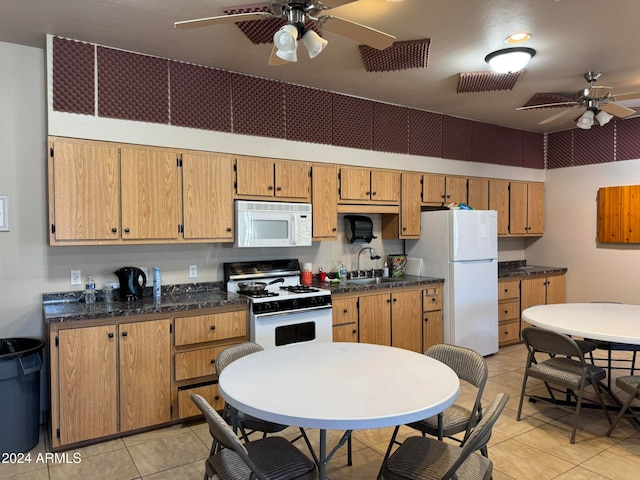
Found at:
<point>474,235</point>
<point>473,305</point>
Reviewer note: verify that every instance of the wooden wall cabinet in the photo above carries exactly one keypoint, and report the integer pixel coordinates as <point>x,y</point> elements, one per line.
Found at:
<point>526,204</point>
<point>260,178</point>
<point>365,185</point>
<point>109,379</point>
<point>508,312</point>
<point>406,224</point>
<point>478,193</point>
<point>442,189</point>
<point>324,188</point>
<point>499,201</point>
<point>619,214</point>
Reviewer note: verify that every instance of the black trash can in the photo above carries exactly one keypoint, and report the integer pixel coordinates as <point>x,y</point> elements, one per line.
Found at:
<point>20,366</point>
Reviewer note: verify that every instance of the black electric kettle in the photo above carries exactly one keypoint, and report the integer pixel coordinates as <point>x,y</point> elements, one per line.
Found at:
<point>132,282</point>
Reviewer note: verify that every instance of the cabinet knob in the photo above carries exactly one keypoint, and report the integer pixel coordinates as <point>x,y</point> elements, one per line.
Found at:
<point>279,189</point>
<point>213,361</point>
<point>217,397</point>
<point>110,335</point>
<point>126,230</point>
<point>433,299</point>
<point>506,311</point>
<point>213,327</point>
<point>114,230</point>
<point>404,229</point>
<point>124,334</point>
<point>395,300</point>
<point>345,311</point>
<point>374,193</point>
<point>334,229</point>
<point>354,331</point>
<point>270,187</point>
<point>228,229</point>
<point>367,193</point>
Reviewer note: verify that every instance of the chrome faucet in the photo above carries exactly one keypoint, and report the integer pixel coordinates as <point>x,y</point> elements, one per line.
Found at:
<point>373,256</point>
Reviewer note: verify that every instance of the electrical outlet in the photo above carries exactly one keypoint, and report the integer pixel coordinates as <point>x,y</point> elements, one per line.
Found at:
<point>193,271</point>
<point>76,277</point>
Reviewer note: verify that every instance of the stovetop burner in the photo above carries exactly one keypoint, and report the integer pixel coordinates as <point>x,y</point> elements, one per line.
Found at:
<point>299,288</point>
<point>261,294</point>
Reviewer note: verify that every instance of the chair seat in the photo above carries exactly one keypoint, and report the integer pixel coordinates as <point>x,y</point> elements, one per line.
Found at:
<point>454,420</point>
<point>566,370</point>
<point>586,346</point>
<point>423,458</point>
<point>275,457</point>
<point>628,384</point>
<point>249,422</point>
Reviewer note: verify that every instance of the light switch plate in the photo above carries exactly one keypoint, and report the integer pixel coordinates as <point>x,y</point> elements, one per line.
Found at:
<point>76,277</point>
<point>193,271</point>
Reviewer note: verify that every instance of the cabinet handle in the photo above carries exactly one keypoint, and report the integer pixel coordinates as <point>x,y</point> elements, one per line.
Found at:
<point>213,327</point>
<point>334,229</point>
<point>367,193</point>
<point>433,299</point>
<point>389,301</point>
<point>213,361</point>
<point>374,193</point>
<point>279,189</point>
<point>126,230</point>
<point>506,311</point>
<point>395,300</point>
<point>114,230</point>
<point>270,187</point>
<point>124,334</point>
<point>345,311</point>
<point>354,331</point>
<point>228,229</point>
<point>217,397</point>
<point>110,335</point>
<point>404,228</point>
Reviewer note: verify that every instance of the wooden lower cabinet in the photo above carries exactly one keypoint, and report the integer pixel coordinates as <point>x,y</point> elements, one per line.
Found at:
<point>541,291</point>
<point>374,313</point>
<point>508,312</point>
<point>431,317</point>
<point>112,376</point>
<point>406,320</point>
<point>345,319</point>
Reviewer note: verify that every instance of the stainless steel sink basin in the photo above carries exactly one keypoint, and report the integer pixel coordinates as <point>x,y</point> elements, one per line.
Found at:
<point>370,281</point>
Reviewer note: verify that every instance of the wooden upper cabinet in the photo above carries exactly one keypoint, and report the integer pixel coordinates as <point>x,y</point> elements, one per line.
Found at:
<point>535,208</point>
<point>441,189</point>
<point>84,191</point>
<point>258,177</point>
<point>207,196</point>
<point>324,187</point>
<point>526,204</point>
<point>619,214</point>
<point>499,201</point>
<point>407,223</point>
<point>456,189</point>
<point>478,193</point>
<point>369,185</point>
<point>149,180</point>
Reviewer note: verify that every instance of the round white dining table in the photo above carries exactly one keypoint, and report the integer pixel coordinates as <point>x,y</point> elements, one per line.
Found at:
<point>610,322</point>
<point>338,386</point>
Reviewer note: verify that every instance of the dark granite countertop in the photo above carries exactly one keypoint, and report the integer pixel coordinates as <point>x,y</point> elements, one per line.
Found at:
<point>70,306</point>
<point>521,269</point>
<point>405,281</point>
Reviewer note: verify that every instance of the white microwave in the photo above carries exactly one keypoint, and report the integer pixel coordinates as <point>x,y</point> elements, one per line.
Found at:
<point>272,224</point>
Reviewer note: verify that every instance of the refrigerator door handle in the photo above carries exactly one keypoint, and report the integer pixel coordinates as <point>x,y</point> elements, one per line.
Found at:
<point>484,260</point>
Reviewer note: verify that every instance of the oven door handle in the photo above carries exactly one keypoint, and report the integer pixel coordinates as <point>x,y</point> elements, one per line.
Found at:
<point>289,312</point>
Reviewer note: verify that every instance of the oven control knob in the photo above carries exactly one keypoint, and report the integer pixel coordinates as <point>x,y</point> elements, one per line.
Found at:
<point>266,305</point>
<point>276,305</point>
<point>295,303</point>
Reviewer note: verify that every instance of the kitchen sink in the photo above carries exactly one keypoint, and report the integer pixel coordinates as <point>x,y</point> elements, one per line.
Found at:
<point>371,281</point>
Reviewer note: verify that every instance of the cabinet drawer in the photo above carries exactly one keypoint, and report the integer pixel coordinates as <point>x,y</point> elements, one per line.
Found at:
<point>431,299</point>
<point>186,407</point>
<point>508,311</point>
<point>209,328</point>
<point>509,332</point>
<point>345,310</point>
<point>196,363</point>
<point>508,289</point>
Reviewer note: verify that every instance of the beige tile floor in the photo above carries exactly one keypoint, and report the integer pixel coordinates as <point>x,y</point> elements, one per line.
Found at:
<point>535,448</point>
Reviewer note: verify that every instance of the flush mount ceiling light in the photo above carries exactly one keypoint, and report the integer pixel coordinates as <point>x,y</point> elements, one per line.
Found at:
<point>509,60</point>
<point>518,38</point>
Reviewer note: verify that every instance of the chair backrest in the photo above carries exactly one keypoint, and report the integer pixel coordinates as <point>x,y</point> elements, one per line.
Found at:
<point>233,353</point>
<point>468,364</point>
<point>542,340</point>
<point>222,433</point>
<point>481,433</point>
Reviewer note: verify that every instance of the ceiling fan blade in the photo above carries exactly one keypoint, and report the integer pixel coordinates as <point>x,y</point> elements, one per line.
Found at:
<point>599,92</point>
<point>617,110</point>
<point>549,105</point>
<point>355,31</point>
<point>626,96</point>
<point>333,3</point>
<point>274,60</point>
<point>559,115</point>
<point>206,22</point>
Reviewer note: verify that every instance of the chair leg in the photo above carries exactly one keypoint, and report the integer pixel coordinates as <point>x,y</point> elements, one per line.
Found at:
<point>633,361</point>
<point>621,413</point>
<point>609,369</point>
<point>524,385</point>
<point>577,414</point>
<point>598,388</point>
<point>386,455</point>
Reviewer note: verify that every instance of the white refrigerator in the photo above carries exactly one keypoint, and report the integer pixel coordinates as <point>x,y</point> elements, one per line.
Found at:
<point>461,246</point>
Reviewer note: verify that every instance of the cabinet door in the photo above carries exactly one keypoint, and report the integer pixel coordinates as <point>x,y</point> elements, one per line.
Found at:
<point>145,378</point>
<point>555,289</point>
<point>535,208</point>
<point>87,389</point>
<point>375,319</point>
<point>255,176</point>
<point>406,320</point>
<point>345,333</point>
<point>84,196</point>
<point>431,328</point>
<point>410,205</point>
<point>345,319</point>
<point>517,208</point>
<point>324,185</point>
<point>210,328</point>
<point>499,201</point>
<point>149,181</point>
<point>385,186</point>
<point>433,188</point>
<point>533,291</point>
<point>292,180</point>
<point>207,197</point>
<point>478,193</point>
<point>456,189</point>
<point>355,184</point>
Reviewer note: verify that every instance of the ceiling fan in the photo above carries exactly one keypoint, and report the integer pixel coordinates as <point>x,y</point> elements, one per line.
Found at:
<point>297,13</point>
<point>597,102</point>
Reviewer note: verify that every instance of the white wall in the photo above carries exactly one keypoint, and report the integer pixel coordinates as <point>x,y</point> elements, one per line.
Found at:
<point>597,272</point>
<point>29,267</point>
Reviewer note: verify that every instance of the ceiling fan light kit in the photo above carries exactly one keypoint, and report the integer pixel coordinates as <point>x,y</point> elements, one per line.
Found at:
<point>314,43</point>
<point>586,120</point>
<point>509,60</point>
<point>603,117</point>
<point>286,42</point>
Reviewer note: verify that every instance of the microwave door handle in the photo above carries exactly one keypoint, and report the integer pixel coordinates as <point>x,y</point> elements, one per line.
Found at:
<point>294,229</point>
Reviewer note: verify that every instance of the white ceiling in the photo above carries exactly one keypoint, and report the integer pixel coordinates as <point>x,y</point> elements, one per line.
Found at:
<point>571,37</point>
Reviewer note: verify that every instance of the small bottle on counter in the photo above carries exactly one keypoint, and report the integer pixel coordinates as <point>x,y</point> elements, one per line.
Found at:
<point>90,290</point>
<point>385,270</point>
<point>157,287</point>
<point>307,276</point>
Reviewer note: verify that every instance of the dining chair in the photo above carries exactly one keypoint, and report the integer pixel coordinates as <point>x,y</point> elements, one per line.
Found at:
<point>269,458</point>
<point>425,458</point>
<point>470,367</point>
<point>629,384</point>
<point>248,424</point>
<point>565,368</point>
